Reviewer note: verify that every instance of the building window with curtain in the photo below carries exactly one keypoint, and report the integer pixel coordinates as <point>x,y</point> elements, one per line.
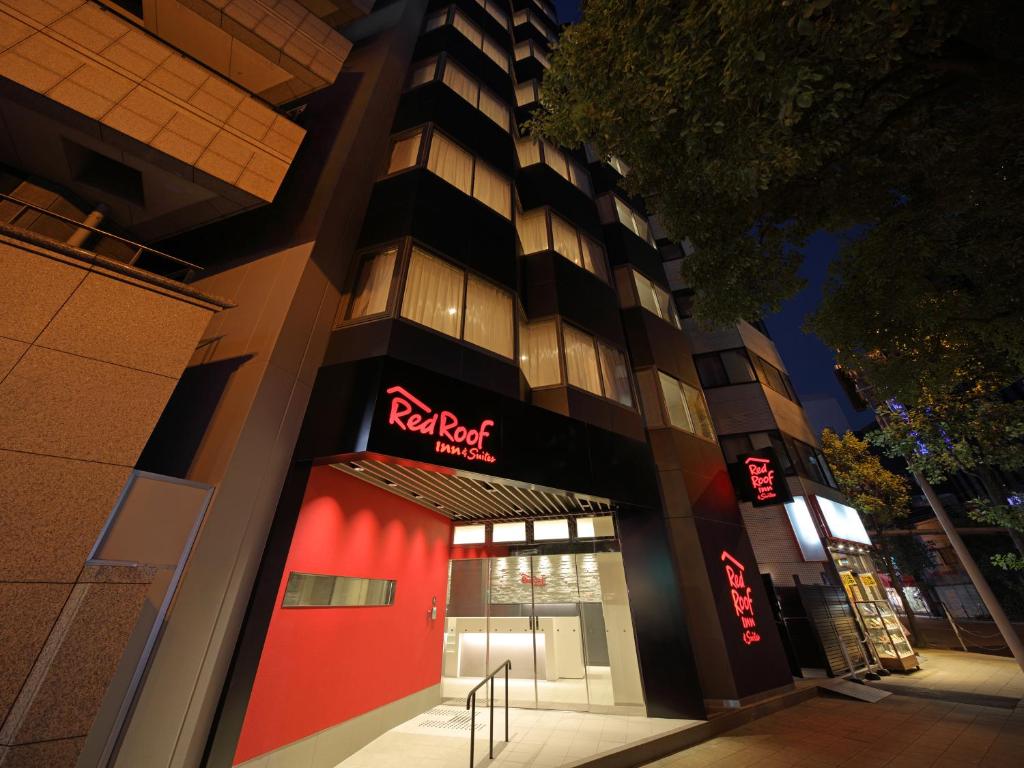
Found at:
<point>445,298</point>
<point>372,286</point>
<point>527,93</point>
<point>456,78</point>
<point>773,378</point>
<point>612,209</point>
<point>719,369</point>
<point>685,407</point>
<point>530,151</point>
<point>539,356</point>
<point>544,230</point>
<point>493,7</point>
<point>469,174</point>
<point>405,151</point>
<point>656,299</point>
<point>809,461</point>
<point>596,367</point>
<point>528,48</point>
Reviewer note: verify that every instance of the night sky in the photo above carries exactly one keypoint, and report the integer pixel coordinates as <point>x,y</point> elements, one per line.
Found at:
<point>809,361</point>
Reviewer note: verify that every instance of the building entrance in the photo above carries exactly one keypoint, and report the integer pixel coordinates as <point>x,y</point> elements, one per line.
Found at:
<point>561,618</point>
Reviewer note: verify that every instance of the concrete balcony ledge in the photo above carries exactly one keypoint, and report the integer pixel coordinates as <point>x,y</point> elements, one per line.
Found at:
<point>15,237</point>
<point>186,146</point>
<point>282,31</point>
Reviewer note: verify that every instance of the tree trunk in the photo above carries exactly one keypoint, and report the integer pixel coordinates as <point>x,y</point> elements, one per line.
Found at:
<point>917,639</point>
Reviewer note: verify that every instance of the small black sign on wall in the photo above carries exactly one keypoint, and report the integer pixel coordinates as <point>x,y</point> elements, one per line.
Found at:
<point>759,479</point>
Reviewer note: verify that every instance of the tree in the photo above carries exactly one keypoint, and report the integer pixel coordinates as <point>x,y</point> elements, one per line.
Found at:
<point>974,431</point>
<point>748,124</point>
<point>882,498</point>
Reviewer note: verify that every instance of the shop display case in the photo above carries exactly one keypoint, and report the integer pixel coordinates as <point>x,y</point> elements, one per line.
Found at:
<point>886,636</point>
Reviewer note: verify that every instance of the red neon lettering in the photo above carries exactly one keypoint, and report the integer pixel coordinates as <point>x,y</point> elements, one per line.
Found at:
<point>742,598</point>
<point>537,581</point>
<point>762,478</point>
<point>411,414</point>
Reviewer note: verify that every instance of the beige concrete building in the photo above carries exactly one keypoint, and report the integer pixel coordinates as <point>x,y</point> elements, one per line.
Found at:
<point>121,124</point>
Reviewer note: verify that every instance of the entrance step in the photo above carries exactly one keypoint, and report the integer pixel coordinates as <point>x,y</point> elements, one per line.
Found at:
<point>670,742</point>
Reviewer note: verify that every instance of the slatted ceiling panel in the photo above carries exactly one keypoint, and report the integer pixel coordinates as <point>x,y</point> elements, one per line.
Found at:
<point>463,496</point>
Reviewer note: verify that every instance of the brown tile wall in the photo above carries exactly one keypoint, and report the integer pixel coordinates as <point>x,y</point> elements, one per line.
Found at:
<point>88,360</point>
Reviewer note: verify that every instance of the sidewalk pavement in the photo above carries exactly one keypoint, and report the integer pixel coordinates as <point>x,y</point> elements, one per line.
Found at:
<point>898,731</point>
<point>958,672</point>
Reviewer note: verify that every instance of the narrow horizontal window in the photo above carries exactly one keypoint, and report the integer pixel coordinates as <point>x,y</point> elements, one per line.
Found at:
<point>563,238</point>
<point>311,590</point>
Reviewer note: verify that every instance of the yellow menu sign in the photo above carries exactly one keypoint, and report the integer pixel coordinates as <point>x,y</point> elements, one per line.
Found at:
<point>868,580</point>
<point>848,579</point>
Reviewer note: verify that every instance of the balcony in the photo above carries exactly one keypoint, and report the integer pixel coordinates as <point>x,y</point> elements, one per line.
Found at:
<point>278,49</point>
<point>102,108</point>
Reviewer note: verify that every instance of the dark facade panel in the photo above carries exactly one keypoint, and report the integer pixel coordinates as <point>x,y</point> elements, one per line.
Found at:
<point>626,248</point>
<point>553,285</point>
<point>654,342</point>
<point>442,218</point>
<point>540,185</point>
<point>447,38</point>
<point>457,118</point>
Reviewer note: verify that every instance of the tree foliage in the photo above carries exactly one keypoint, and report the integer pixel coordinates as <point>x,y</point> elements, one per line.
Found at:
<point>748,124</point>
<point>878,494</point>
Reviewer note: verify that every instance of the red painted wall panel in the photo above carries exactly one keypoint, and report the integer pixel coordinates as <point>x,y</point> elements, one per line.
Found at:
<point>322,666</point>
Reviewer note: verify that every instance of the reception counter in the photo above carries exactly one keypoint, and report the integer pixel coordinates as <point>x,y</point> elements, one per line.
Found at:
<point>558,641</point>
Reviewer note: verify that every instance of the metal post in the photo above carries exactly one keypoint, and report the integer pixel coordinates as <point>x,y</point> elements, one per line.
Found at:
<point>995,610</point>
<point>490,743</point>
<point>508,666</point>
<point>956,629</point>
<point>472,730</point>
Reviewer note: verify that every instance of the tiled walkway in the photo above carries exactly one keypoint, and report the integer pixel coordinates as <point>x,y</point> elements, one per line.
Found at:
<point>961,672</point>
<point>899,731</point>
<point>439,738</point>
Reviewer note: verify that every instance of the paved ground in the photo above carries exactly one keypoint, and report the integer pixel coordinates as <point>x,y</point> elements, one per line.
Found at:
<point>936,723</point>
<point>965,673</point>
<point>899,731</point>
<point>439,738</point>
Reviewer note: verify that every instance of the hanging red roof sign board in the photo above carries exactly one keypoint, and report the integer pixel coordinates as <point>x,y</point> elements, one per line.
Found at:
<point>759,479</point>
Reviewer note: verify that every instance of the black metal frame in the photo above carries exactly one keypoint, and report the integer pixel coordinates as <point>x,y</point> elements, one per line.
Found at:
<point>471,705</point>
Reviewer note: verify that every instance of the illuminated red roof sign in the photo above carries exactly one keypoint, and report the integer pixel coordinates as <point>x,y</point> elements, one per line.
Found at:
<point>742,598</point>
<point>410,414</point>
<point>760,479</point>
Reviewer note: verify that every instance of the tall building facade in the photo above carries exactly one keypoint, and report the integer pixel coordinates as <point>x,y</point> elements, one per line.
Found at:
<point>326,391</point>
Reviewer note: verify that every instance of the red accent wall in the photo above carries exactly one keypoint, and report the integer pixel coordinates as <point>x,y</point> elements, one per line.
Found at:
<point>323,666</point>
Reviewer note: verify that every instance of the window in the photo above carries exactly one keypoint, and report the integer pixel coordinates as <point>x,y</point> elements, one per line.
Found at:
<point>531,152</point>
<point>493,8</point>
<point>614,374</point>
<point>581,250</point>
<point>373,284</point>
<point>488,317</point>
<point>538,354</point>
<point>612,209</point>
<point>656,299</point>
<point>527,93</point>
<point>433,294</point>
<point>471,32</point>
<point>525,16</point>
<point>441,296</point>
<point>528,48</point>
<point>456,166</point>
<point>731,366</point>
<point>735,446</point>
<point>581,360</point>
<point>685,407</point>
<point>422,72</point>
<point>810,462</point>
<point>773,378</point>
<point>455,77</point>
<point>405,152</point>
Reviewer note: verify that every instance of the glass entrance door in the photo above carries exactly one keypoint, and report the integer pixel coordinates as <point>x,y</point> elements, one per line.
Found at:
<point>563,621</point>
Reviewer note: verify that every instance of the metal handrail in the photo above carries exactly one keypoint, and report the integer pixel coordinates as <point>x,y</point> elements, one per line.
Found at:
<point>139,247</point>
<point>471,705</point>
